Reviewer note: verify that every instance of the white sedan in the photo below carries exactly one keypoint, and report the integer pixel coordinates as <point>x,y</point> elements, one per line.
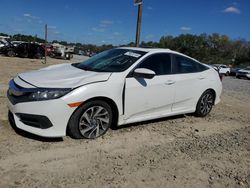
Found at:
<point>223,69</point>
<point>115,87</point>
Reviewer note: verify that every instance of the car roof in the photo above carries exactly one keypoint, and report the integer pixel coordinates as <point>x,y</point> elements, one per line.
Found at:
<point>155,50</point>
<point>146,49</point>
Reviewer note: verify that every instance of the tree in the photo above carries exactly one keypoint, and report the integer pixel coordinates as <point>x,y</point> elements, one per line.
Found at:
<point>209,49</point>
<point>3,34</point>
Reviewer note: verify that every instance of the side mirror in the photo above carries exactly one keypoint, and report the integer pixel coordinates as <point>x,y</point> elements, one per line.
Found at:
<point>143,73</point>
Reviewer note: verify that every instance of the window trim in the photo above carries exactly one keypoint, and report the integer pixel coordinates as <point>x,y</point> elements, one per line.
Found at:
<point>130,74</point>
<point>175,71</point>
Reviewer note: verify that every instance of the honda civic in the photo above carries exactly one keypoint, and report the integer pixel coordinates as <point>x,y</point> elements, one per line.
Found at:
<point>118,86</point>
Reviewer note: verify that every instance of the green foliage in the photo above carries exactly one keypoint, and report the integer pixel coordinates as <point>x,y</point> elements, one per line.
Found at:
<point>26,38</point>
<point>211,49</point>
<point>3,34</point>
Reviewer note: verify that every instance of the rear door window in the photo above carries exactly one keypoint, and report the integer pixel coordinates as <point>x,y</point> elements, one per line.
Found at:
<point>184,65</point>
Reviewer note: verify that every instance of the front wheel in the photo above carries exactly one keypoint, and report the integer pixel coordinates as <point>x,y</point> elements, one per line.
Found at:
<point>91,120</point>
<point>205,104</point>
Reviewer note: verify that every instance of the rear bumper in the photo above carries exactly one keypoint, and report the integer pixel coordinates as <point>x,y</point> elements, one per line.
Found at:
<point>218,91</point>
<point>217,100</point>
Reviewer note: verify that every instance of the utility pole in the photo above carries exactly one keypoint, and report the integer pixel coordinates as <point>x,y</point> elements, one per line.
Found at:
<point>138,28</point>
<point>45,48</point>
<point>35,38</point>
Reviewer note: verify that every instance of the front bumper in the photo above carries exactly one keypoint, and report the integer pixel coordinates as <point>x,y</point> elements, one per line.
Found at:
<point>57,112</point>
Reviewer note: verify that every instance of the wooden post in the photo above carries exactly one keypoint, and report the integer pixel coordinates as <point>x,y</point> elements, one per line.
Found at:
<point>138,28</point>
<point>46,39</point>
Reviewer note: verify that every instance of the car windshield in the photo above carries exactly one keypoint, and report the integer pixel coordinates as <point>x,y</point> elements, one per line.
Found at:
<point>115,60</point>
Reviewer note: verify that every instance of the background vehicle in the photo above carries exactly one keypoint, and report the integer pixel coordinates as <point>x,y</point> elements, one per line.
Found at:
<point>115,87</point>
<point>25,50</point>
<point>223,69</point>
<point>49,48</point>
<point>243,73</point>
<point>16,43</point>
<point>217,70</point>
<point>8,49</point>
<point>31,50</point>
<point>62,52</point>
<point>92,54</point>
<point>233,71</point>
<point>2,44</point>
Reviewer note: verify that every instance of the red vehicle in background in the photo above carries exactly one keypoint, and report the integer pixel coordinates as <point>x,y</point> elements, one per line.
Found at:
<point>49,49</point>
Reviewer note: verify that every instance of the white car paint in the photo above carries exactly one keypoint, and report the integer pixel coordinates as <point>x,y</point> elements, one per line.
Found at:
<point>62,76</point>
<point>223,69</point>
<point>137,99</point>
<point>150,94</point>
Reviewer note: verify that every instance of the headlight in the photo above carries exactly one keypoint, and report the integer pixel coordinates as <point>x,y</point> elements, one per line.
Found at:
<point>47,94</point>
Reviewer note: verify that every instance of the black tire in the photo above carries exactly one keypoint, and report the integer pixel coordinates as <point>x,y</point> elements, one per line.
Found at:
<point>79,127</point>
<point>38,55</point>
<point>67,56</point>
<point>11,53</point>
<point>227,73</point>
<point>52,55</point>
<point>205,104</point>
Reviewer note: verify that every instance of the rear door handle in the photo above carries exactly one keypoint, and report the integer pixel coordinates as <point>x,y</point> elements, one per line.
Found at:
<point>169,82</point>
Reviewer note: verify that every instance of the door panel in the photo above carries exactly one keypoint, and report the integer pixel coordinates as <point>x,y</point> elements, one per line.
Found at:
<point>186,92</point>
<point>190,82</point>
<point>149,97</point>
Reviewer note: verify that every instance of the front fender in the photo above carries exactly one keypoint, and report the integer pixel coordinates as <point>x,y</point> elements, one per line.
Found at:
<point>84,93</point>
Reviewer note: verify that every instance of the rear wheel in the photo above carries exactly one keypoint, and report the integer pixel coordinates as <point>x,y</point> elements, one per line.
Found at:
<point>91,120</point>
<point>68,56</point>
<point>205,104</point>
<point>11,53</point>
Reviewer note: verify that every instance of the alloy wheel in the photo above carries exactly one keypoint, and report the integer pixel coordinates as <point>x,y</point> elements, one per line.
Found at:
<point>94,122</point>
<point>206,104</point>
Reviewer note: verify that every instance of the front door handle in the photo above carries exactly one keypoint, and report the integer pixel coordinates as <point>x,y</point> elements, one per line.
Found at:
<point>169,82</point>
<point>201,78</point>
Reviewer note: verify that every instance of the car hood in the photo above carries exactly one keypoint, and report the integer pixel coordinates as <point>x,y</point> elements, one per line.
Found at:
<point>62,76</point>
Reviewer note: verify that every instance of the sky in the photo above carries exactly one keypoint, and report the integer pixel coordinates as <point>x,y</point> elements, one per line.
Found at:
<point>114,21</point>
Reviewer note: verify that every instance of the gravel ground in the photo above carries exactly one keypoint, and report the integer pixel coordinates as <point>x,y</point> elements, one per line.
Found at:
<point>181,151</point>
